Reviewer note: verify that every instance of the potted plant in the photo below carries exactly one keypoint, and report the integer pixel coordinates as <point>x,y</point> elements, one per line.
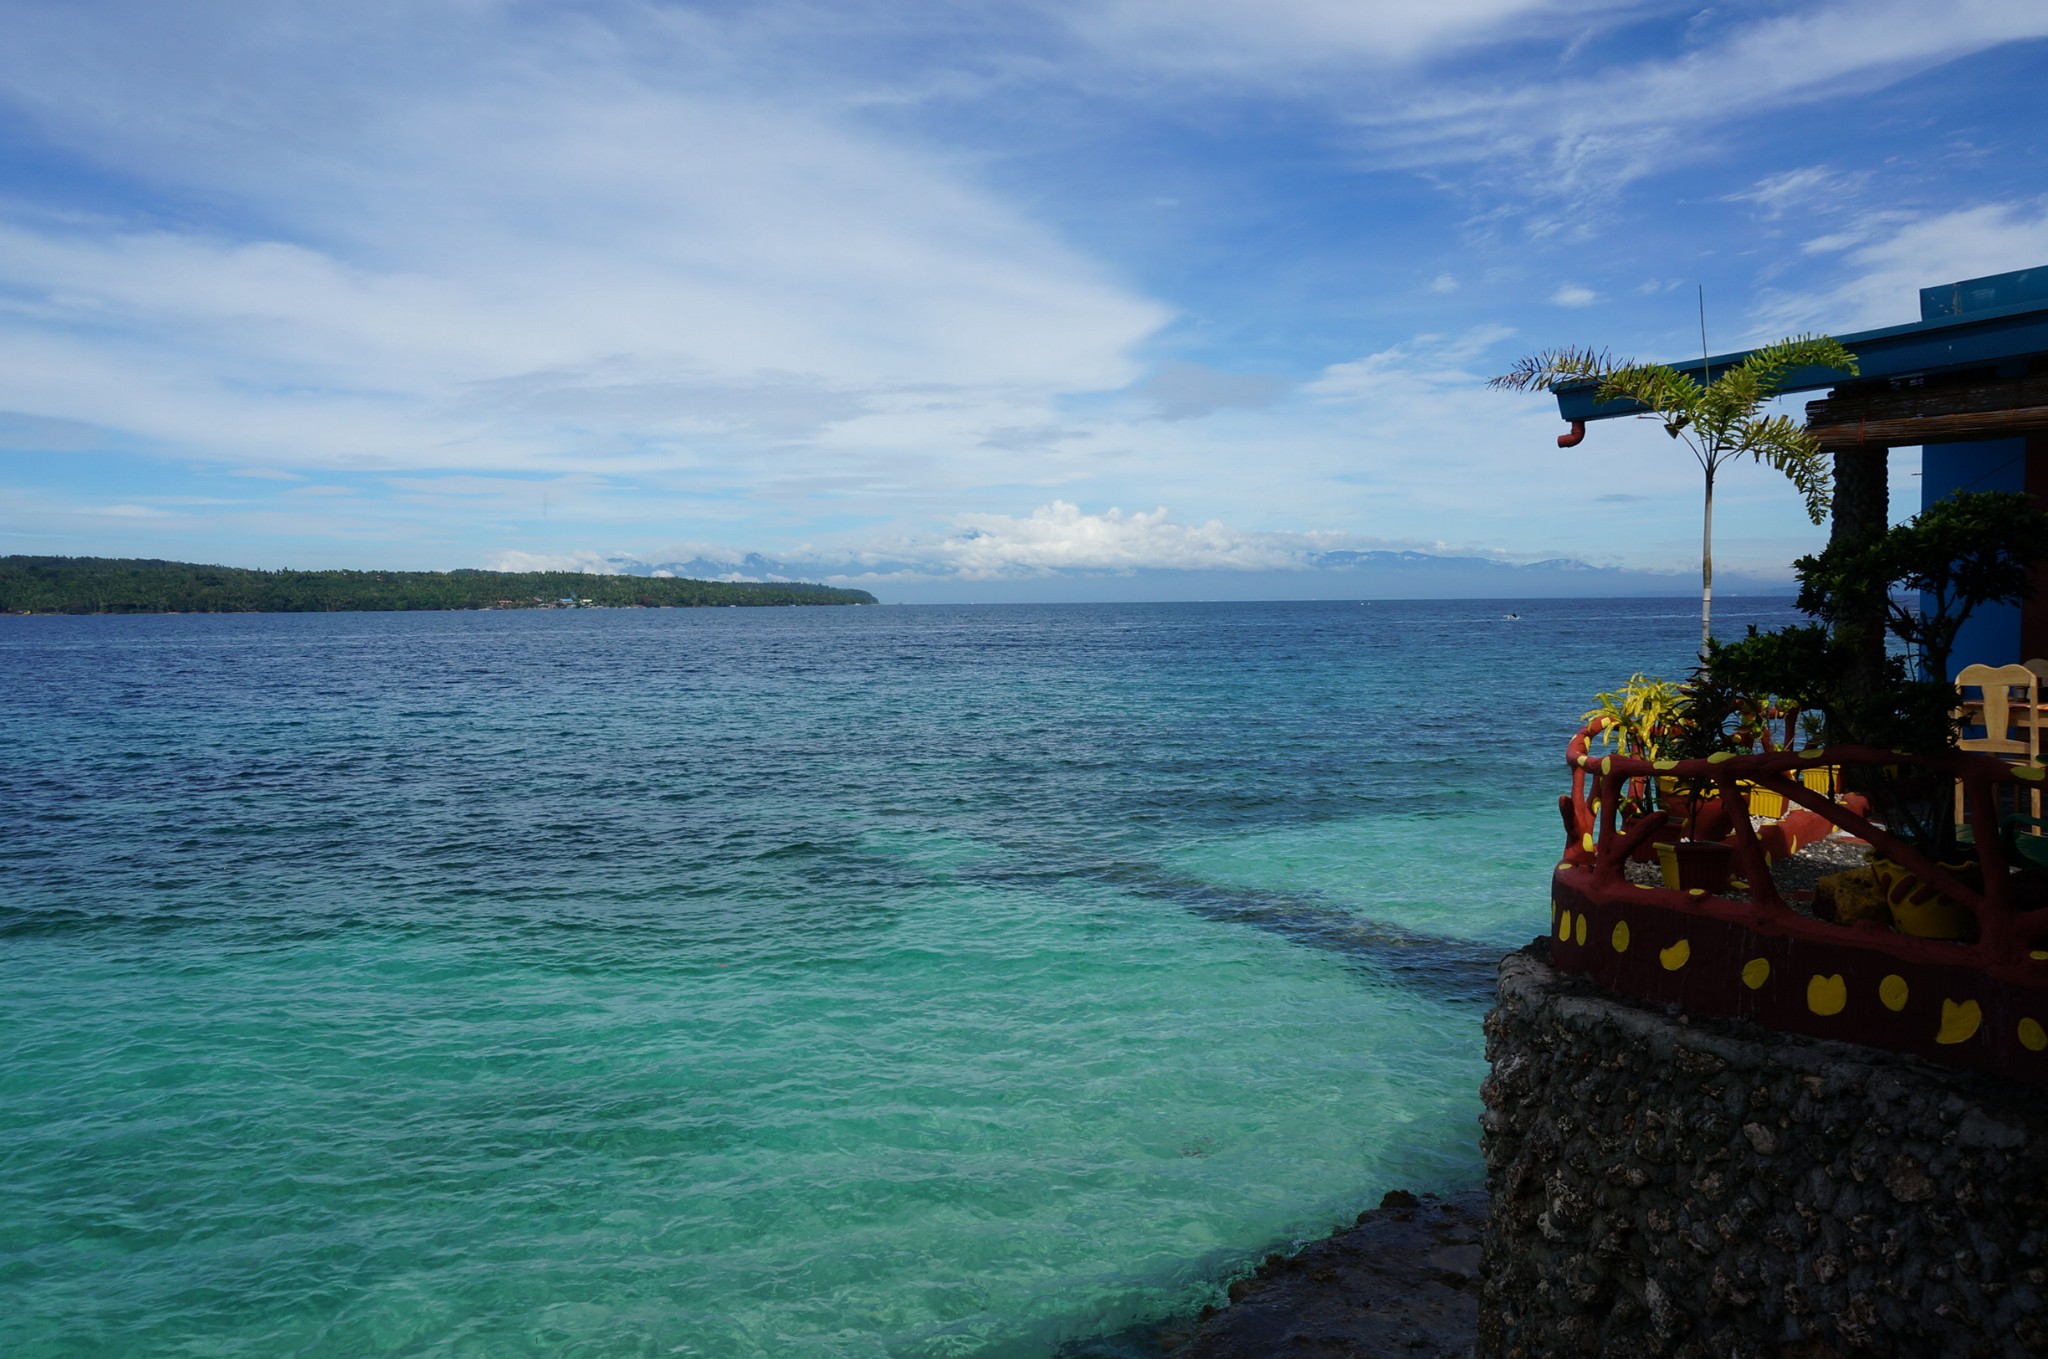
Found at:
<point>1958,555</point>
<point>1635,721</point>
<point>1638,714</point>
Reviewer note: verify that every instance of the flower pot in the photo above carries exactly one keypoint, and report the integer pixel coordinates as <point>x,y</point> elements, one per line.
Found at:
<point>1763,802</point>
<point>1822,778</point>
<point>1697,865</point>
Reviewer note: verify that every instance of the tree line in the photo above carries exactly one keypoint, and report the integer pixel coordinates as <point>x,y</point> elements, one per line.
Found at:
<point>81,585</point>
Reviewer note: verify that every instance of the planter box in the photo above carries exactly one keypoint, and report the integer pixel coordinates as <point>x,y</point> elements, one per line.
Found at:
<point>1697,865</point>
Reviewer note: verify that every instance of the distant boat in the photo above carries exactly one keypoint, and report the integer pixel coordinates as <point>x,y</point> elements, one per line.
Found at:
<point>1513,617</point>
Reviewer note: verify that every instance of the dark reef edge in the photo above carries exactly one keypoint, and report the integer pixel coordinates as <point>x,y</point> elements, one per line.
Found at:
<point>1404,1279</point>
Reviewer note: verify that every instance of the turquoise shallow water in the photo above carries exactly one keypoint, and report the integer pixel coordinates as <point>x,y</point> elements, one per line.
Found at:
<point>852,982</point>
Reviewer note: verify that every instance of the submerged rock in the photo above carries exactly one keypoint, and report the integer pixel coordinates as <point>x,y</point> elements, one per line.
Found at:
<point>1404,1281</point>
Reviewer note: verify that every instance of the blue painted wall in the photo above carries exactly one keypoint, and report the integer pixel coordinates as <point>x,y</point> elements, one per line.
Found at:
<point>1992,634</point>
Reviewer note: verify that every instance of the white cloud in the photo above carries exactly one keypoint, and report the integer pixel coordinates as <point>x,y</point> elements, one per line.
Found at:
<point>1185,391</point>
<point>589,563</point>
<point>1808,189</point>
<point>1836,241</point>
<point>1427,368</point>
<point>464,243</point>
<point>1887,272</point>
<point>1585,133</point>
<point>1241,37</point>
<point>683,270</point>
<point>1061,550</point>
<point>1061,537</point>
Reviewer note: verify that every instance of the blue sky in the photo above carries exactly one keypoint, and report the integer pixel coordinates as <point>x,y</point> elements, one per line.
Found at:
<point>1011,298</point>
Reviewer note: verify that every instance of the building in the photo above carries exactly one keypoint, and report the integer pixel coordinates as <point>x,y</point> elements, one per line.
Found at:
<point>1967,383</point>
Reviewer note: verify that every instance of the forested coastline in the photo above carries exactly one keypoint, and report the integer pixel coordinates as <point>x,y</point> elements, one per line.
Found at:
<point>87,585</point>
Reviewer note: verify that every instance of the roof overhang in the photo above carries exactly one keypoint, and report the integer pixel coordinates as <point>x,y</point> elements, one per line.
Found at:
<point>2001,338</point>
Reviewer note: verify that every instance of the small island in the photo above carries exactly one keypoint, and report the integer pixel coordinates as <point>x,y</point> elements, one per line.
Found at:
<point>83,585</point>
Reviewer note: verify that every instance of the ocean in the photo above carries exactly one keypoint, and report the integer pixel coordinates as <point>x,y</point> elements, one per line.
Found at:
<point>876,981</point>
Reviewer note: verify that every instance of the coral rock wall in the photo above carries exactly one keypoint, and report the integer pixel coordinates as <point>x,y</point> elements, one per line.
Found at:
<point>1706,1188</point>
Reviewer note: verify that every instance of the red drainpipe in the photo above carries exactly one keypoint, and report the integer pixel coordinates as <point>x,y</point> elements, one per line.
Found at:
<point>1573,439</point>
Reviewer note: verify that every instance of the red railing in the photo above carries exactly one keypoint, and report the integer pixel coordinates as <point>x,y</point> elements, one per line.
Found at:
<point>1980,1000</point>
<point>1595,836</point>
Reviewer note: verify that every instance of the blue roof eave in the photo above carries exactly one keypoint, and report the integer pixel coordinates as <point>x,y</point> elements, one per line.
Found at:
<point>1996,335</point>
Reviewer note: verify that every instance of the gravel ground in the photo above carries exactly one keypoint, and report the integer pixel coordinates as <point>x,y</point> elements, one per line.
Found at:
<point>1816,861</point>
<point>1796,874</point>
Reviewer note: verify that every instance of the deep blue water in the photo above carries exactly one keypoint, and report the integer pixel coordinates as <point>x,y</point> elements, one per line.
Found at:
<point>860,981</point>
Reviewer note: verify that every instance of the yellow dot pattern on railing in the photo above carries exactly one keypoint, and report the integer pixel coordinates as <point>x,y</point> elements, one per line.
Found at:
<point>1959,1022</point>
<point>1826,994</point>
<point>1888,996</point>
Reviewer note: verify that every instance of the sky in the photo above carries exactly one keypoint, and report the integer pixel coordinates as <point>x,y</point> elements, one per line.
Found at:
<point>1020,299</point>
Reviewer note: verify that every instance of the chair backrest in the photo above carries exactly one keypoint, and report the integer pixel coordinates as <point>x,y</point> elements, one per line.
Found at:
<point>2040,668</point>
<point>2008,698</point>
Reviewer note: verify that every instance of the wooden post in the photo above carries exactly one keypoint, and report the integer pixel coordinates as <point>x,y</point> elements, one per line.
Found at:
<point>1862,511</point>
<point>2034,610</point>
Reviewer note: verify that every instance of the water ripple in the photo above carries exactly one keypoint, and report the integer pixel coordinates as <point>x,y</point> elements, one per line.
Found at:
<point>859,982</point>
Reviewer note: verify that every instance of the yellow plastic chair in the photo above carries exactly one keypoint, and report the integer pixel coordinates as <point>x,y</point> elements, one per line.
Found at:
<point>2007,704</point>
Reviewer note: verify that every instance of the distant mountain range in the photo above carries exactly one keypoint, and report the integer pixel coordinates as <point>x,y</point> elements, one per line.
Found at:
<point>1323,575</point>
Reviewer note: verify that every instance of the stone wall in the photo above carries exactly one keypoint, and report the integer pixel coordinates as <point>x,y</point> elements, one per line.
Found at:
<point>1663,1186</point>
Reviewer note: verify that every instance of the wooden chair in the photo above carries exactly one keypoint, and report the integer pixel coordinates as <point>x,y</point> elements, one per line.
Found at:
<point>2008,708</point>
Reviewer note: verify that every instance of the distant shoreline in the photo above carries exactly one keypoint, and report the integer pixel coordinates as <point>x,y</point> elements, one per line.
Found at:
<point>107,585</point>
